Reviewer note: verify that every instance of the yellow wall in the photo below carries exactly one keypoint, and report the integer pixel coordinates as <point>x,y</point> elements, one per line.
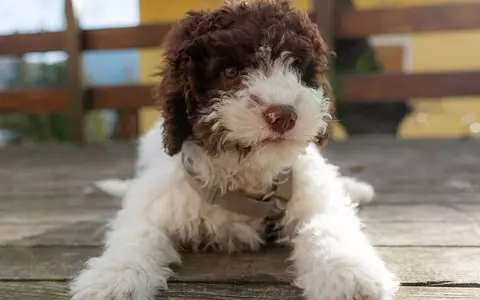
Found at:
<point>167,11</point>
<point>437,52</point>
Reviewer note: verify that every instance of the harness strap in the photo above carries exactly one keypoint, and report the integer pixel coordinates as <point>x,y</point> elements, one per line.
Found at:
<point>243,203</point>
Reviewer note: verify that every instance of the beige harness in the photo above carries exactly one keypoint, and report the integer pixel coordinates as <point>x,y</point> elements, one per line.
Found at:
<point>242,203</point>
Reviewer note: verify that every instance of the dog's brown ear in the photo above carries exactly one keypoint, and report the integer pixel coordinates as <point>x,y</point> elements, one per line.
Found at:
<point>175,92</point>
<point>176,126</point>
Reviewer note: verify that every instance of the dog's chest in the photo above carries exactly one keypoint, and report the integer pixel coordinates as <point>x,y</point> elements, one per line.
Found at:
<point>222,230</point>
<point>239,218</point>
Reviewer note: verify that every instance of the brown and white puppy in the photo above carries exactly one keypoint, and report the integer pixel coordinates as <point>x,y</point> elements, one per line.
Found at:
<point>243,99</point>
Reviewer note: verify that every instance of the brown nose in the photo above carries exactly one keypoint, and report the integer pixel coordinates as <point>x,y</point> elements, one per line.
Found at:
<point>281,118</point>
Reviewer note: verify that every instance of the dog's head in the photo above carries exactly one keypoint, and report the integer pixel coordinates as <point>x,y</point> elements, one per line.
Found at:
<point>246,78</point>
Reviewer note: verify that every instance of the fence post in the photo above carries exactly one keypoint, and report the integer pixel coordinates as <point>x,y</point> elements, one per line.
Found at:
<point>323,12</point>
<point>75,88</point>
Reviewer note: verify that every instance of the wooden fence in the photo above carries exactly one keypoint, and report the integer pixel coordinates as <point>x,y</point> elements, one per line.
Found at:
<point>336,22</point>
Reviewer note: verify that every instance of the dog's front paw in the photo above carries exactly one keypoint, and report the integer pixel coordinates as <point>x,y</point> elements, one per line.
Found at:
<point>364,284</point>
<point>344,280</point>
<point>110,281</point>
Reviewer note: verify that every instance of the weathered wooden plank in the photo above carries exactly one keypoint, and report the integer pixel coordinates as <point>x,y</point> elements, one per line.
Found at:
<point>416,194</point>
<point>82,193</point>
<point>408,214</point>
<point>52,205</point>
<point>40,234</point>
<point>351,23</point>
<point>414,265</point>
<point>60,263</point>
<point>398,86</point>
<point>396,188</point>
<point>421,212</point>
<point>411,165</point>
<point>88,229</point>
<point>177,291</point>
<point>203,291</point>
<point>437,293</point>
<point>80,221</point>
<point>17,232</point>
<point>424,234</point>
<point>401,166</point>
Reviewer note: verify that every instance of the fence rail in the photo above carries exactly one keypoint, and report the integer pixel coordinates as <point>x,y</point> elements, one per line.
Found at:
<point>353,23</point>
<point>347,23</point>
<point>143,36</point>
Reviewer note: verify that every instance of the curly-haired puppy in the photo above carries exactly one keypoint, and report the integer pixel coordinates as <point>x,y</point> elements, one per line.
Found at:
<point>243,101</point>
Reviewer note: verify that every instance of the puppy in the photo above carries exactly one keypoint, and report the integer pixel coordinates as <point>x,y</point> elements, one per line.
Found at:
<point>243,100</point>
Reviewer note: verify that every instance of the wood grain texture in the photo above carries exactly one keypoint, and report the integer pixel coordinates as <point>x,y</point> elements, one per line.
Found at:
<point>425,226</point>
<point>87,228</point>
<point>177,291</point>
<point>352,23</point>
<point>414,265</point>
<point>402,172</point>
<point>202,291</point>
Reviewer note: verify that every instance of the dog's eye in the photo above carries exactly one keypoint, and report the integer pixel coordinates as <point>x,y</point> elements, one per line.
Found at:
<point>230,72</point>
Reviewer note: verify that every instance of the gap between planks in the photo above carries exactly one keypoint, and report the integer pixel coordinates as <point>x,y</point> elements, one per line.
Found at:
<point>202,291</point>
<point>413,265</point>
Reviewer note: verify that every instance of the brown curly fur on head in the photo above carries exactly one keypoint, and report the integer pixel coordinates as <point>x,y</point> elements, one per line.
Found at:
<point>202,48</point>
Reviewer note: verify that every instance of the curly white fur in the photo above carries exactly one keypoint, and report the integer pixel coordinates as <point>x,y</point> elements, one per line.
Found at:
<point>332,257</point>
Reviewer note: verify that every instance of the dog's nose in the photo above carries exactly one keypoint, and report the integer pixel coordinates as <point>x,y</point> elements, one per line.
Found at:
<point>280,118</point>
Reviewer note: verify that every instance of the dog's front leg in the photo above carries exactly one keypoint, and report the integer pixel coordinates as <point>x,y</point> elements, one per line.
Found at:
<point>138,250</point>
<point>334,261</point>
<point>332,257</point>
<point>133,266</point>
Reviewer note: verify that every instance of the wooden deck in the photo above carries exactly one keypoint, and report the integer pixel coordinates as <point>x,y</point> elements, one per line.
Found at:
<point>425,221</point>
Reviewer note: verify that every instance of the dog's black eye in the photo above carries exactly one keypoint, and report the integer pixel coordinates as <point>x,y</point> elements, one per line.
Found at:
<point>230,72</point>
